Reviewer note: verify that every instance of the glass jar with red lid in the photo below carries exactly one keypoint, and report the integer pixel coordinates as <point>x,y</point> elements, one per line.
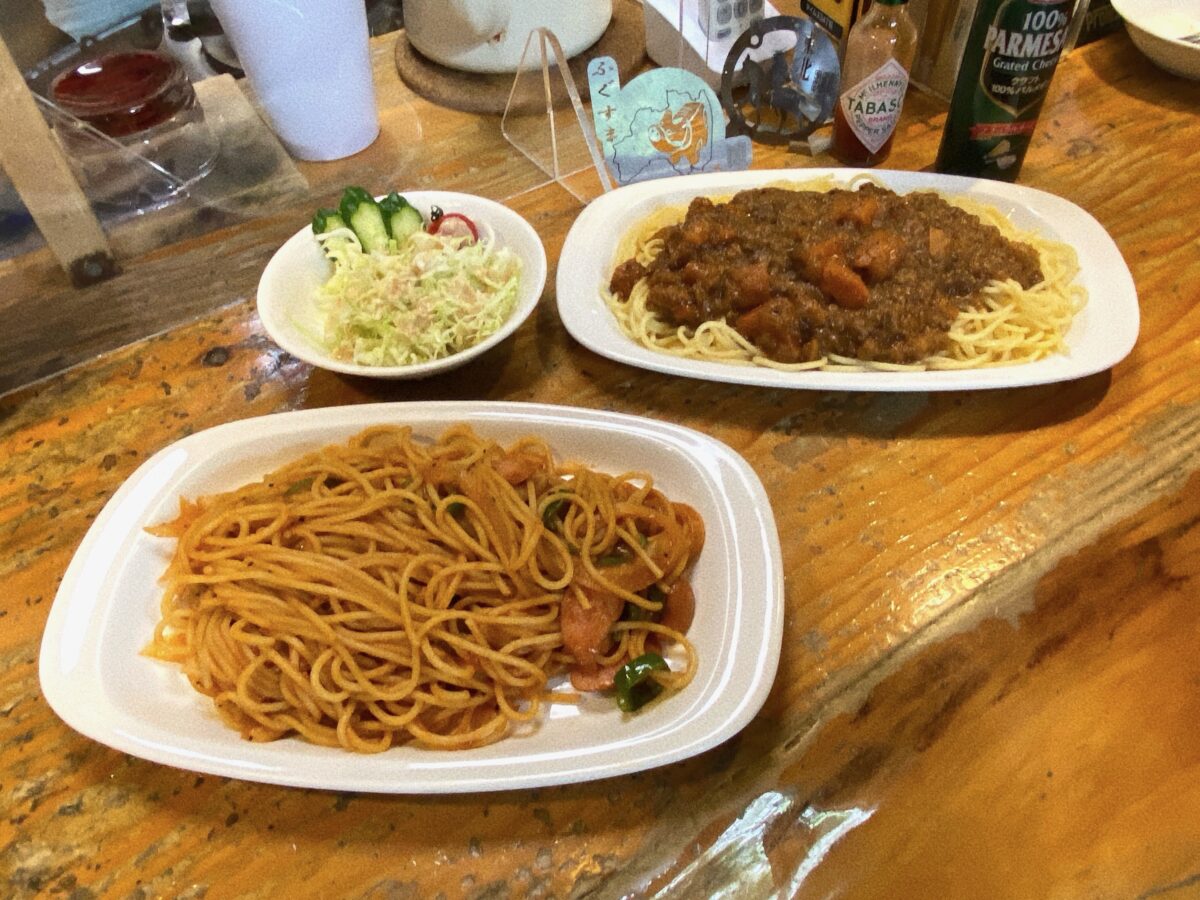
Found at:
<point>122,94</point>
<point>142,100</point>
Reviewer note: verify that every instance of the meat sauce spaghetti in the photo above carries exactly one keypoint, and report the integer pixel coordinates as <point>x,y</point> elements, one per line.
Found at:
<point>394,590</point>
<point>812,276</point>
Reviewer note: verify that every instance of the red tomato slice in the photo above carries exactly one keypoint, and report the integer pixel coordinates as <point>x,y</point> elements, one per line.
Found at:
<point>454,225</point>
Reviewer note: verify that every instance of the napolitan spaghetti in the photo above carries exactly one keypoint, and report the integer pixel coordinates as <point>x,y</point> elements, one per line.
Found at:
<point>805,275</point>
<point>391,590</point>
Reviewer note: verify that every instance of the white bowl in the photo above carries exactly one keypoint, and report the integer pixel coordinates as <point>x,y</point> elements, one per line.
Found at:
<point>1158,29</point>
<point>287,291</point>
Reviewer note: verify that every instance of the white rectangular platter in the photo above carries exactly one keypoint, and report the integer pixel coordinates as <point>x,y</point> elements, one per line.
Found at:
<point>95,677</point>
<point>1101,335</point>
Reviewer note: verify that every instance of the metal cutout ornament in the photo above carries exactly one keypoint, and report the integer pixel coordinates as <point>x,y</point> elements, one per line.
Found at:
<point>785,97</point>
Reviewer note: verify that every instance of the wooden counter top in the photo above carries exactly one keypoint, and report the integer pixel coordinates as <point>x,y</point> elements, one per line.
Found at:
<point>990,684</point>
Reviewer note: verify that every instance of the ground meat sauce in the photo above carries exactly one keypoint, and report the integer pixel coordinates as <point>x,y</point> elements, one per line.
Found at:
<point>867,273</point>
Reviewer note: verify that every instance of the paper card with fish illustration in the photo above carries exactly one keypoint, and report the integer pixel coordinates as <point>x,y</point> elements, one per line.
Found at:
<point>664,122</point>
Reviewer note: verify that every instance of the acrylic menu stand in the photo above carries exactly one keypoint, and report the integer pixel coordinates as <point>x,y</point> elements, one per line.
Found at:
<point>560,139</point>
<point>78,183</point>
<point>113,173</point>
<point>119,184</point>
<point>561,143</point>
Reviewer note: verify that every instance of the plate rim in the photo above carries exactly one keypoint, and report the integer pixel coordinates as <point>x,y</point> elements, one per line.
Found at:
<point>588,321</point>
<point>270,311</point>
<point>83,706</point>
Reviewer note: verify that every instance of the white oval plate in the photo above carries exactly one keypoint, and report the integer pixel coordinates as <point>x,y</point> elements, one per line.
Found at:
<point>94,676</point>
<point>1101,335</point>
<point>287,291</point>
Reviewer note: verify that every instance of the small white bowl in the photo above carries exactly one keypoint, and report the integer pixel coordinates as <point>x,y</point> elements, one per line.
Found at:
<point>1157,28</point>
<point>287,291</point>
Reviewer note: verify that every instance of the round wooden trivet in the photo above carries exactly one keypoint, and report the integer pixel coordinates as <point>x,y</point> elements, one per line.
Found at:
<point>624,40</point>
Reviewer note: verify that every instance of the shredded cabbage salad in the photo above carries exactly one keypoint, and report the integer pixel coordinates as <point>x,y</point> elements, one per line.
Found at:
<point>432,296</point>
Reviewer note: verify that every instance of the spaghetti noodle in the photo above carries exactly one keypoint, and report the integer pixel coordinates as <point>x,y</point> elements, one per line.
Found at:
<point>999,322</point>
<point>391,590</point>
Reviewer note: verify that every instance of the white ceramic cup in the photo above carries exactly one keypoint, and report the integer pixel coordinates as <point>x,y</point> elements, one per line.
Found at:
<point>310,66</point>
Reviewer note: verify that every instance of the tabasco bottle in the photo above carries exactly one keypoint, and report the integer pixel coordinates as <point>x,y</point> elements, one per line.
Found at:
<point>1010,57</point>
<point>879,56</point>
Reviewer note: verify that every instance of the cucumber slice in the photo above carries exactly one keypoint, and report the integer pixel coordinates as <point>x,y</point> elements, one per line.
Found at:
<point>406,222</point>
<point>327,220</point>
<point>360,211</point>
<point>401,217</point>
<point>389,205</point>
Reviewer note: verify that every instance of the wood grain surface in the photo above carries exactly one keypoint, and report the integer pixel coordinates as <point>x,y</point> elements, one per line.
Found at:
<point>39,170</point>
<point>990,684</point>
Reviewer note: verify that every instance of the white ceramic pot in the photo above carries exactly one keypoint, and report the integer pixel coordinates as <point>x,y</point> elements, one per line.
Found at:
<point>490,35</point>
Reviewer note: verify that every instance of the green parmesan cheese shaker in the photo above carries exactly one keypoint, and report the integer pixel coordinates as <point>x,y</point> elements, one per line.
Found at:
<point>1011,53</point>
